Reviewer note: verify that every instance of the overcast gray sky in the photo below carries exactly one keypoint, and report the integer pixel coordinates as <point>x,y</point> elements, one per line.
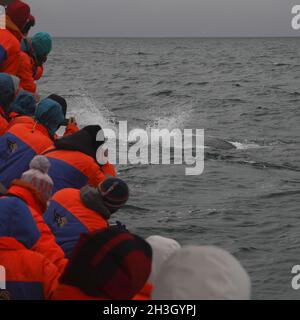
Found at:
<point>164,18</point>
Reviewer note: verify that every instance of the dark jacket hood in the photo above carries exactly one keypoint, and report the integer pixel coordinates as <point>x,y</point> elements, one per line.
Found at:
<point>83,141</point>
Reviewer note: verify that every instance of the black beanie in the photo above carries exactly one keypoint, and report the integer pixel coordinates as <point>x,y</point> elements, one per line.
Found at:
<point>115,193</point>
<point>62,101</point>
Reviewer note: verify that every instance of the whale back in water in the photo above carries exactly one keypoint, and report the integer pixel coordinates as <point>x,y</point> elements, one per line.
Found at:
<point>217,143</point>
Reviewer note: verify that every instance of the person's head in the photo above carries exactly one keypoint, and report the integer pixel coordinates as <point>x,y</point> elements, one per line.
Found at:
<point>84,140</point>
<point>19,13</point>
<point>29,24</point>
<point>162,249</point>
<point>37,176</point>
<point>25,104</point>
<point>9,86</point>
<point>110,196</point>
<point>42,46</point>
<point>49,113</point>
<point>111,264</point>
<point>62,101</point>
<point>202,273</point>
<point>6,2</point>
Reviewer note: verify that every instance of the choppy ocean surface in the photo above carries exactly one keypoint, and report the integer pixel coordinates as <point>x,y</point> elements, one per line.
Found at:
<point>246,91</point>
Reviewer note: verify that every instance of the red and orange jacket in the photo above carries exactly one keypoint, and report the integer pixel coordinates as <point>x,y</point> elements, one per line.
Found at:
<point>46,244</point>
<point>10,48</point>
<point>68,217</point>
<point>26,73</point>
<point>29,275</point>
<point>3,122</point>
<point>75,169</point>
<point>38,73</point>
<point>18,146</point>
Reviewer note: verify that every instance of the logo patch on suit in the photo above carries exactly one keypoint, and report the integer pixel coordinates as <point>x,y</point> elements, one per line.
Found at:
<point>61,221</point>
<point>5,295</point>
<point>12,146</point>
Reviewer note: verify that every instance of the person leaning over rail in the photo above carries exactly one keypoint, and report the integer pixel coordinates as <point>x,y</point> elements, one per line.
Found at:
<point>33,190</point>
<point>29,275</point>
<point>24,140</point>
<point>74,160</point>
<point>72,212</point>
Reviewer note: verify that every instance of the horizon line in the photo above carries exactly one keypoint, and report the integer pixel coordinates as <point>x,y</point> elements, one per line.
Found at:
<point>174,37</point>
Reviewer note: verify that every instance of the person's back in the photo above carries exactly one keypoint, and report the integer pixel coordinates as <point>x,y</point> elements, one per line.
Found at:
<point>10,37</point>
<point>67,218</point>
<point>9,52</point>
<point>32,192</point>
<point>73,160</point>
<point>72,212</point>
<point>34,53</point>
<point>25,140</point>
<point>29,275</point>
<point>18,146</point>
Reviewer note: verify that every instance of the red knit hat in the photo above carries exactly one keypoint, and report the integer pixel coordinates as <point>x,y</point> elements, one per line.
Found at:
<point>19,13</point>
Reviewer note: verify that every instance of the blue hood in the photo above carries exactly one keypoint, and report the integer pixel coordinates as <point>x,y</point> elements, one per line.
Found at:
<point>25,104</point>
<point>16,221</point>
<point>7,90</point>
<point>49,113</point>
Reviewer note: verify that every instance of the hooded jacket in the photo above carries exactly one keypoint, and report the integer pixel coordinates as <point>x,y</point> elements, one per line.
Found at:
<point>73,162</point>
<point>26,139</point>
<point>24,105</point>
<point>30,70</point>
<point>10,49</point>
<point>202,273</point>
<point>29,275</point>
<point>18,146</point>
<point>26,73</point>
<point>32,201</point>
<point>68,217</point>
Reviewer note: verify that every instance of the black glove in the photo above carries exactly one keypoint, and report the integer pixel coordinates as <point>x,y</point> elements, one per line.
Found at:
<point>121,226</point>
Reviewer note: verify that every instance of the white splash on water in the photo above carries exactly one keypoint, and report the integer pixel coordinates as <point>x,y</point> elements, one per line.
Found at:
<point>88,111</point>
<point>245,146</point>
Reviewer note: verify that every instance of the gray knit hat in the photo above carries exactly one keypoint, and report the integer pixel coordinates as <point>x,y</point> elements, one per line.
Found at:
<point>38,176</point>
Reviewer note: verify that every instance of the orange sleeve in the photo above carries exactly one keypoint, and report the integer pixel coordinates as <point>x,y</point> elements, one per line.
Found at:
<point>109,170</point>
<point>39,73</point>
<point>71,129</point>
<point>25,74</point>
<point>96,175</point>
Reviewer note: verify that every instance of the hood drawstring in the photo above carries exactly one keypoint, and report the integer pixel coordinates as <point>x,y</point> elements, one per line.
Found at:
<point>34,126</point>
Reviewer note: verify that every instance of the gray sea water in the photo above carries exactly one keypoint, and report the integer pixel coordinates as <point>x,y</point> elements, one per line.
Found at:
<point>246,91</point>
